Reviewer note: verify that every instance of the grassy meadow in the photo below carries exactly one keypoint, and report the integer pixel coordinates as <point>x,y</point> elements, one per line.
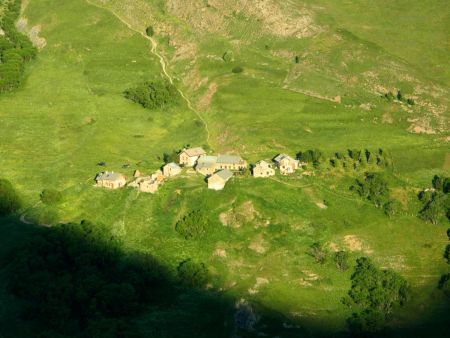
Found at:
<point>71,114</point>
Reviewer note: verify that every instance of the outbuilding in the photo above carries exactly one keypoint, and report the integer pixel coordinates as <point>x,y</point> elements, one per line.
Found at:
<point>219,179</point>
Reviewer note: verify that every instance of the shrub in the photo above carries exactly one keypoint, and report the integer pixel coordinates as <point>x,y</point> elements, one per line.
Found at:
<point>444,284</point>
<point>192,225</point>
<point>10,201</point>
<point>341,260</point>
<point>237,69</point>
<point>192,274</point>
<point>373,188</point>
<point>51,196</point>
<point>318,252</point>
<point>312,156</point>
<point>170,157</point>
<point>153,94</point>
<point>228,56</point>
<point>150,31</point>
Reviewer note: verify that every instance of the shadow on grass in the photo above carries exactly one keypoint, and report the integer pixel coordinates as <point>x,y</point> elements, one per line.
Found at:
<point>75,280</point>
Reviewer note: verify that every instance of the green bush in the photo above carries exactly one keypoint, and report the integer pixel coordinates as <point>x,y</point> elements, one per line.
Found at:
<point>51,196</point>
<point>228,56</point>
<point>192,274</point>
<point>341,260</point>
<point>318,252</point>
<point>10,201</point>
<point>150,31</point>
<point>237,69</point>
<point>193,225</point>
<point>373,295</point>
<point>373,188</point>
<point>154,94</point>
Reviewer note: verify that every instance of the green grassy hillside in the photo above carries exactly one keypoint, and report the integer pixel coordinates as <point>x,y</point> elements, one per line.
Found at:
<point>314,76</point>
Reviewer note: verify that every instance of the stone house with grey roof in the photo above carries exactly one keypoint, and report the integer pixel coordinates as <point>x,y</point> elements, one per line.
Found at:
<point>171,169</point>
<point>286,164</point>
<point>188,157</point>
<point>263,169</point>
<point>206,165</point>
<point>110,180</point>
<point>218,180</point>
<point>230,162</point>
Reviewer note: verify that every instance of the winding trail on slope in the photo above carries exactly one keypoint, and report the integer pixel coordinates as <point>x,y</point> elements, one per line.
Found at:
<point>154,51</point>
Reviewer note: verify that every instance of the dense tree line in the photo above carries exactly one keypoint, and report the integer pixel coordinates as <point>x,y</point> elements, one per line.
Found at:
<point>373,295</point>
<point>351,159</point>
<point>15,49</point>
<point>436,201</point>
<point>154,94</point>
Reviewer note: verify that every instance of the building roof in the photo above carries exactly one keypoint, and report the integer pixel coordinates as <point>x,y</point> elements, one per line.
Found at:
<point>263,164</point>
<point>225,174</point>
<point>173,166</point>
<point>229,159</point>
<point>207,159</point>
<point>191,152</point>
<point>109,176</point>
<point>280,157</point>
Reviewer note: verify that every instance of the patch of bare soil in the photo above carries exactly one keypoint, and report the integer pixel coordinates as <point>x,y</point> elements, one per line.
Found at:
<point>241,215</point>
<point>258,244</point>
<point>354,243</point>
<point>32,33</point>
<point>205,100</point>
<point>260,281</point>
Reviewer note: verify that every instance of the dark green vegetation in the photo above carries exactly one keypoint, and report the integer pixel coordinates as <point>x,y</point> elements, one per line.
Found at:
<point>374,294</point>
<point>76,281</point>
<point>153,94</point>
<point>193,225</point>
<point>15,49</point>
<point>436,201</point>
<point>372,187</point>
<point>10,201</point>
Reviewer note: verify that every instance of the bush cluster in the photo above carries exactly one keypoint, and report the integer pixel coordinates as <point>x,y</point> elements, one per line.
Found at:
<point>373,294</point>
<point>193,225</point>
<point>154,94</point>
<point>436,201</point>
<point>15,49</point>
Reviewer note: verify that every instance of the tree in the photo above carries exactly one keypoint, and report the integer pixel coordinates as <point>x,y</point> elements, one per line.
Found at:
<point>10,201</point>
<point>447,253</point>
<point>444,284</point>
<point>150,31</point>
<point>377,289</point>
<point>435,207</point>
<point>373,188</point>
<point>313,156</point>
<point>192,274</point>
<point>341,260</point>
<point>170,157</point>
